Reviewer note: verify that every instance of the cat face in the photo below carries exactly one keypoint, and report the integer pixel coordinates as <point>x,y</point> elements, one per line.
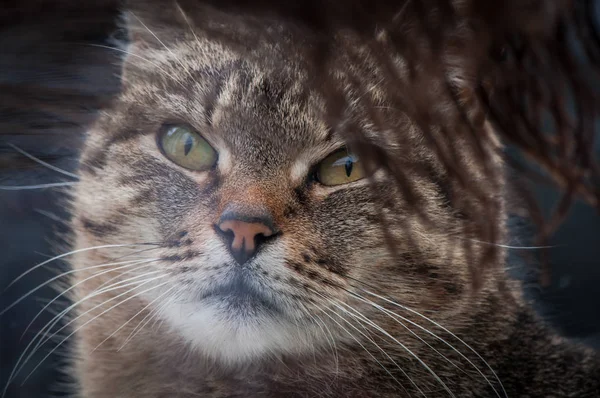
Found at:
<point>261,224</point>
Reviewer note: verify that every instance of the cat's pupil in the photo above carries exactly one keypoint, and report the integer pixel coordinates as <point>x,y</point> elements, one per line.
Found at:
<point>348,166</point>
<point>189,143</point>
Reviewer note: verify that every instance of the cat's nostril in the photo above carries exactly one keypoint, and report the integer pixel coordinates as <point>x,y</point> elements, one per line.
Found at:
<point>227,236</point>
<point>261,238</point>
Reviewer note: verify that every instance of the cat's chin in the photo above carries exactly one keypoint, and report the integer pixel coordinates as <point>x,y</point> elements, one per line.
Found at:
<point>235,331</point>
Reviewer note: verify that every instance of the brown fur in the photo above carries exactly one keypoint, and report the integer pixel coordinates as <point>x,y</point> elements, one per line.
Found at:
<point>332,245</point>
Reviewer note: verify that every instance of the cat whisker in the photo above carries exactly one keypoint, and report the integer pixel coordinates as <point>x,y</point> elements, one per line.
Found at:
<point>142,261</point>
<point>45,164</point>
<point>151,315</point>
<point>122,274</point>
<point>187,21</point>
<point>128,264</point>
<point>404,326</point>
<point>511,247</point>
<point>369,338</point>
<point>403,346</point>
<point>75,252</point>
<point>117,285</point>
<point>504,246</point>
<point>125,282</point>
<point>50,215</point>
<point>57,318</point>
<point>365,333</point>
<point>133,317</point>
<point>136,269</point>
<point>93,319</point>
<point>394,316</point>
<point>49,281</point>
<point>330,339</point>
<point>24,357</point>
<point>314,321</point>
<point>436,324</point>
<point>160,309</point>
<point>332,343</point>
<point>38,186</point>
<point>362,345</point>
<point>444,329</point>
<point>164,45</point>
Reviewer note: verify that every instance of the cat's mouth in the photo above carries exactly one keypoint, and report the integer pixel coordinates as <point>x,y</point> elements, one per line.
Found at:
<point>239,294</point>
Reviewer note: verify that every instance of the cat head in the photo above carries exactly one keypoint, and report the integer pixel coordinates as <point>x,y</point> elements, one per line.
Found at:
<point>254,212</point>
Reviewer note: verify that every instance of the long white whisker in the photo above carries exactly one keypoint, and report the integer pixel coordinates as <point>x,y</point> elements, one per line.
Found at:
<point>330,340</point>
<point>49,326</point>
<point>160,309</point>
<point>125,282</point>
<point>151,315</point>
<point>133,270</point>
<point>364,334</point>
<point>45,164</point>
<point>163,44</point>
<point>38,186</point>
<point>128,264</point>
<point>49,281</point>
<point>64,312</point>
<point>118,285</point>
<point>50,215</point>
<point>509,246</point>
<point>188,22</point>
<point>444,329</point>
<point>332,343</point>
<point>134,316</point>
<point>122,274</point>
<point>91,320</point>
<point>74,252</point>
<point>365,348</point>
<point>404,326</point>
<point>393,315</point>
<point>408,350</point>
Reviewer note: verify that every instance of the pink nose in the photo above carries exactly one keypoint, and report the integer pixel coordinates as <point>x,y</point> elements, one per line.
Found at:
<point>244,238</point>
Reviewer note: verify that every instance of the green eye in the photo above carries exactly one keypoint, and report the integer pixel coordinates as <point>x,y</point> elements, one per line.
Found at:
<point>187,149</point>
<point>340,168</point>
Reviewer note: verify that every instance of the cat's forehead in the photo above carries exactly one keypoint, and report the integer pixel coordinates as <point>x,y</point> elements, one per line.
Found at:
<point>258,109</point>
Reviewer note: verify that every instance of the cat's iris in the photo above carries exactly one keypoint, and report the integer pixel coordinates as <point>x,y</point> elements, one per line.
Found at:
<point>339,168</point>
<point>187,148</point>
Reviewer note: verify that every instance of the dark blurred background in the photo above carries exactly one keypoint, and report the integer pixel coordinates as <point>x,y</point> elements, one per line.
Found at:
<point>53,80</point>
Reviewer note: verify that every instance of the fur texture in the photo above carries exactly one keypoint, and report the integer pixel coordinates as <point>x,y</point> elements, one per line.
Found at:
<point>334,310</point>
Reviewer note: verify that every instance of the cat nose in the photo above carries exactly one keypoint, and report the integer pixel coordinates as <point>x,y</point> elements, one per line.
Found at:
<point>244,235</point>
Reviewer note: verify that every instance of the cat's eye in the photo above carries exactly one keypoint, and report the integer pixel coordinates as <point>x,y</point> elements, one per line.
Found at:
<point>339,168</point>
<point>187,148</point>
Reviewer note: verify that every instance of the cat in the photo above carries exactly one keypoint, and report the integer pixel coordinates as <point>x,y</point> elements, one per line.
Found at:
<point>228,241</point>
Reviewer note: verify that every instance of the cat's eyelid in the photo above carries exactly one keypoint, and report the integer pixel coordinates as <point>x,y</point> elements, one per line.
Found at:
<point>203,131</point>
<point>310,157</point>
<point>342,161</point>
